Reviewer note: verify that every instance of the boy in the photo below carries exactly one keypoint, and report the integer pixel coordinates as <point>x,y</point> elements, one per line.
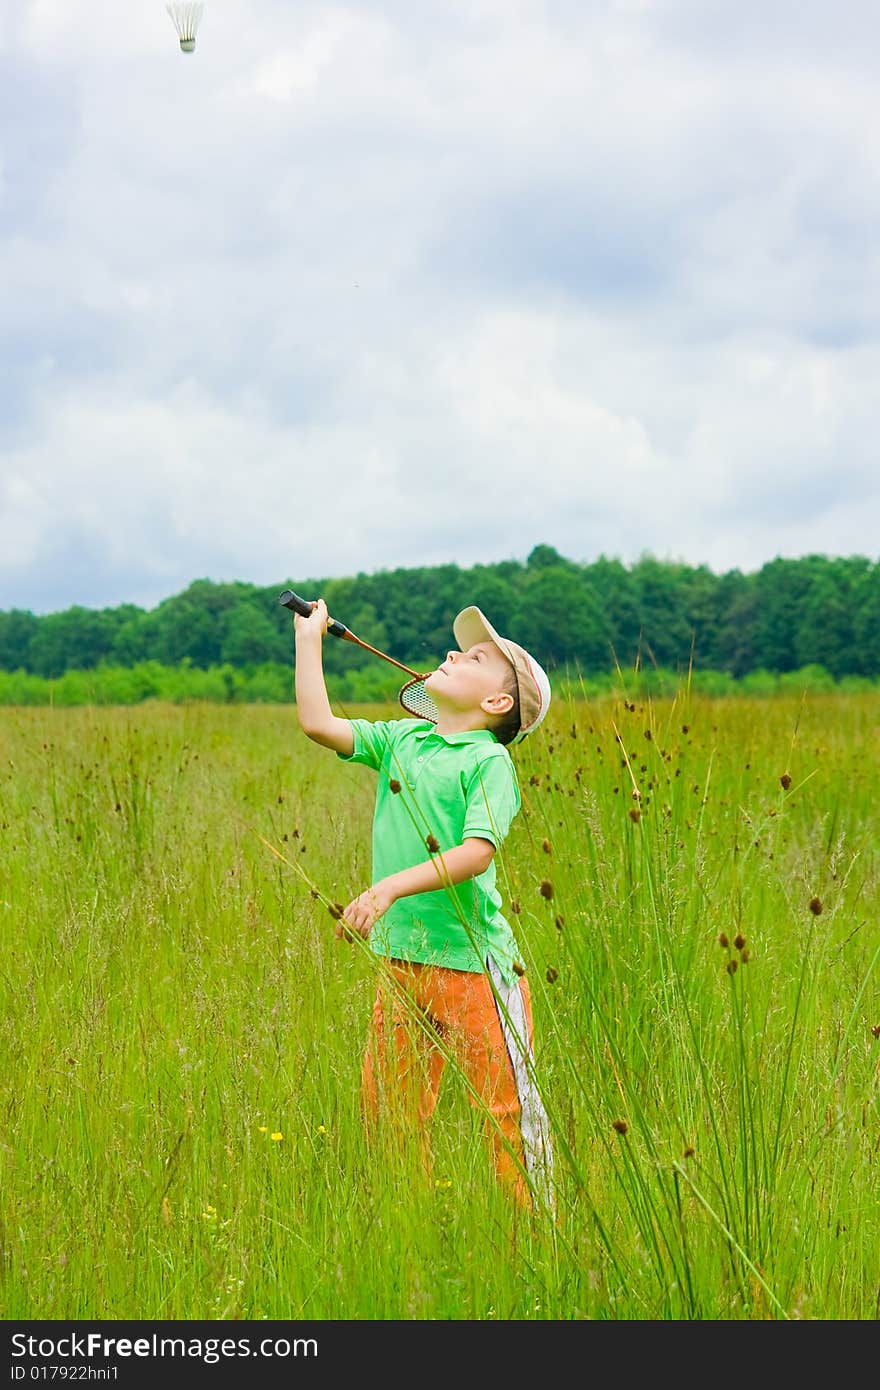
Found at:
<point>447,793</point>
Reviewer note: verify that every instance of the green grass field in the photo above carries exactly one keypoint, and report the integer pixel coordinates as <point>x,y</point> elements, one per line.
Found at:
<point>181,1031</point>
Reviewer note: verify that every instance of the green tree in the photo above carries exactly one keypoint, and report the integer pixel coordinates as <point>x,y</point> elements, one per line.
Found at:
<point>560,619</point>
<point>825,635</point>
<point>543,557</point>
<point>251,637</point>
<point>667,633</point>
<point>496,597</point>
<point>739,603</point>
<point>192,625</point>
<point>702,596</point>
<point>782,587</point>
<point>416,607</point>
<point>187,632</point>
<point>616,591</point>
<point>17,630</point>
<point>866,623</point>
<point>136,640</point>
<point>76,639</point>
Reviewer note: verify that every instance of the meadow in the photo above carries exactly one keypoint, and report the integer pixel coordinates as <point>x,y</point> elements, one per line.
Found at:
<point>695,886</point>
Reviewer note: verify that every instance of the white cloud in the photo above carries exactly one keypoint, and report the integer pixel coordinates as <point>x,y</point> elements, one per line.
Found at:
<point>475,447</point>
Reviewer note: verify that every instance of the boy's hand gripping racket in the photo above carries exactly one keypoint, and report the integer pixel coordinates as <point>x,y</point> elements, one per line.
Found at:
<point>413,696</point>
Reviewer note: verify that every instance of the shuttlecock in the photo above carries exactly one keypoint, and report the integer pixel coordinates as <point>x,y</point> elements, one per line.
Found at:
<point>186,20</point>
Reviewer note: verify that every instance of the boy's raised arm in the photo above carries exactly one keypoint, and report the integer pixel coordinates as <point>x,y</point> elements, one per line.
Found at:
<point>316,718</point>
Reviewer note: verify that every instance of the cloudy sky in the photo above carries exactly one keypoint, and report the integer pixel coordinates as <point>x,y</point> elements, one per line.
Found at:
<point>393,282</point>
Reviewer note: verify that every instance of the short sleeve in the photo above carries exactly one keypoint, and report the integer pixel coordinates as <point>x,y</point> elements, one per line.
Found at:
<point>371,741</point>
<point>493,799</point>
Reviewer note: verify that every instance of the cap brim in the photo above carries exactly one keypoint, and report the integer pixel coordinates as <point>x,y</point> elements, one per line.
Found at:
<point>472,626</point>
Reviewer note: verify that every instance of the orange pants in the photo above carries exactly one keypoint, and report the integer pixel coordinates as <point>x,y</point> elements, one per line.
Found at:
<point>424,1014</point>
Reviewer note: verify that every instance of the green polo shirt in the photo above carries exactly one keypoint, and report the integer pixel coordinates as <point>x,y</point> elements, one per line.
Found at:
<point>453,787</point>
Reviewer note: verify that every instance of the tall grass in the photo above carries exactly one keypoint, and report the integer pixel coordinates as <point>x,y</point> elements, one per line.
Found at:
<point>694,885</point>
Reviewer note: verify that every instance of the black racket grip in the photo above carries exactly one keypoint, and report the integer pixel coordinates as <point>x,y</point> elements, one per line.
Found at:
<point>302,606</point>
<point>291,600</point>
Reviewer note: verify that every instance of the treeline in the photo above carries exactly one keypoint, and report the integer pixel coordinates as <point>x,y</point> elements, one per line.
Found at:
<point>811,612</point>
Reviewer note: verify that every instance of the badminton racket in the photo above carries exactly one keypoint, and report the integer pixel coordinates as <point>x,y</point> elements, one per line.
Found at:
<point>413,696</point>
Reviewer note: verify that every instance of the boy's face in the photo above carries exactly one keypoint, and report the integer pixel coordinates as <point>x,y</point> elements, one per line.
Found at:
<point>473,680</point>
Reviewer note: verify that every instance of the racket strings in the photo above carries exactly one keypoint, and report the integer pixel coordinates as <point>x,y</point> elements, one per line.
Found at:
<point>416,700</point>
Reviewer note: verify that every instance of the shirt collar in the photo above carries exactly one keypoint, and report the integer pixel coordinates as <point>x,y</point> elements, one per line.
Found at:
<point>463,737</point>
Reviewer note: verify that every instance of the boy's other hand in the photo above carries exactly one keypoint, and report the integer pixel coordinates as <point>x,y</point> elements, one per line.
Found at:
<point>315,623</point>
<point>363,911</point>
